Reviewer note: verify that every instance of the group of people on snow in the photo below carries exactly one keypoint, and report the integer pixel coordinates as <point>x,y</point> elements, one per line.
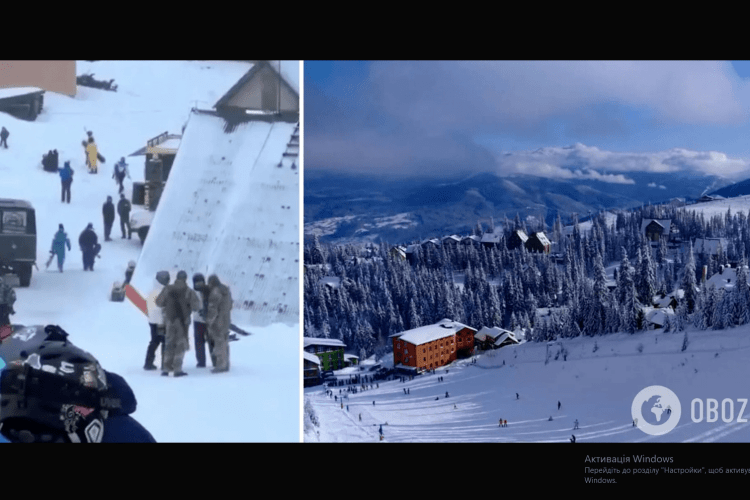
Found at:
<point>170,308</point>
<point>87,241</point>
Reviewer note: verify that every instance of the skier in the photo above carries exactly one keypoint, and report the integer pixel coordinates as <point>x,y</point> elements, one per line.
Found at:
<point>77,401</point>
<point>178,300</point>
<point>120,171</point>
<point>89,247</point>
<point>108,214</point>
<point>572,438</point>
<point>199,324</point>
<point>517,396</point>
<point>218,320</point>
<point>123,209</point>
<point>59,242</point>
<point>66,179</point>
<point>558,405</point>
<point>501,423</point>
<point>505,423</point>
<point>92,155</point>
<point>156,322</point>
<point>7,300</point>
<point>575,424</point>
<point>4,137</point>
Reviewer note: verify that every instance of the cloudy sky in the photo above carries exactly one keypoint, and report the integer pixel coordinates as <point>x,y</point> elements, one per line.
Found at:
<point>572,119</point>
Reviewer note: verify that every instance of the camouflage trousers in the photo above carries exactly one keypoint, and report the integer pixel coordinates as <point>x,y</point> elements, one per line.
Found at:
<point>220,351</point>
<point>175,346</point>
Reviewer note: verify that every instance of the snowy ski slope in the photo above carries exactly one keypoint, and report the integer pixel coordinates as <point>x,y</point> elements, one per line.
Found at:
<point>596,388</point>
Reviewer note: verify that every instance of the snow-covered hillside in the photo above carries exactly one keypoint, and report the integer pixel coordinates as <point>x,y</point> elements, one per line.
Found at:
<point>258,400</point>
<point>595,385</point>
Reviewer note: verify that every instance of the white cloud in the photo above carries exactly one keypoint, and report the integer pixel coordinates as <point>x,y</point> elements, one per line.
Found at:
<point>587,162</point>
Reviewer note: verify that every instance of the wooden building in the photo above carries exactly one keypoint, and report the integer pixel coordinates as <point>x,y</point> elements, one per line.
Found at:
<point>432,346</point>
<point>655,229</point>
<point>517,238</point>
<point>538,243</point>
<point>494,338</point>
<point>311,369</point>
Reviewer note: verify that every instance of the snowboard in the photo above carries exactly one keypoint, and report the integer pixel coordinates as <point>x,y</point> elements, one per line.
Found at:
<point>49,261</point>
<point>101,158</point>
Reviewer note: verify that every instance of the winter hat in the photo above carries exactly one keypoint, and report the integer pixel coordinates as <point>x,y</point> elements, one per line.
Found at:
<point>61,227</point>
<point>213,281</point>
<point>198,278</point>
<point>109,198</point>
<point>182,275</point>
<point>90,226</point>
<point>163,277</point>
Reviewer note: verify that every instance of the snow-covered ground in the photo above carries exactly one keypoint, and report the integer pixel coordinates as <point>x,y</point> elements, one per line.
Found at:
<point>259,399</point>
<point>595,387</point>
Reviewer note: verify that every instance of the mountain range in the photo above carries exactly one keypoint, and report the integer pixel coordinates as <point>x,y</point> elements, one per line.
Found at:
<point>350,208</point>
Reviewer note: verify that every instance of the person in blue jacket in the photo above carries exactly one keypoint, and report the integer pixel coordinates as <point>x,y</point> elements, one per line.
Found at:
<point>66,179</point>
<point>59,242</point>
<point>53,391</point>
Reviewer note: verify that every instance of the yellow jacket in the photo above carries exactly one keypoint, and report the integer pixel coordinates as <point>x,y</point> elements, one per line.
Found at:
<point>92,154</point>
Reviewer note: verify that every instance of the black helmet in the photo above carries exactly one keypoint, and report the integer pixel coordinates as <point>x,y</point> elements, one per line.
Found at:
<point>50,390</point>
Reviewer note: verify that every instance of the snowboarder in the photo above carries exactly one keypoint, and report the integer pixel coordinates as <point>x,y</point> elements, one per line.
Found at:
<point>120,172</point>
<point>501,423</point>
<point>572,438</point>
<point>4,137</point>
<point>108,214</point>
<point>178,300</point>
<point>123,209</point>
<point>7,299</point>
<point>218,320</point>
<point>517,396</point>
<point>558,405</point>
<point>66,179</point>
<point>89,247</point>
<point>59,242</point>
<point>550,419</point>
<point>156,322</point>
<point>199,324</point>
<point>575,424</point>
<point>446,394</point>
<point>505,423</point>
<point>92,155</point>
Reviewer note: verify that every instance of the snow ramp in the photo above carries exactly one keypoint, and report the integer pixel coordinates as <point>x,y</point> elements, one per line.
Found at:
<point>231,207</point>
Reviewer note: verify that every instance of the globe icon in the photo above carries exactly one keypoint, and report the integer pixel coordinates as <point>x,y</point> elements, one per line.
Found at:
<point>654,411</point>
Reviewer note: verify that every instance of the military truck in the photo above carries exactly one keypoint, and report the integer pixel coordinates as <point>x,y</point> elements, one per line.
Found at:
<point>17,239</point>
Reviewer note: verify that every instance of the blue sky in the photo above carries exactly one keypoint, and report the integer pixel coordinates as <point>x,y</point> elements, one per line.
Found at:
<point>468,116</point>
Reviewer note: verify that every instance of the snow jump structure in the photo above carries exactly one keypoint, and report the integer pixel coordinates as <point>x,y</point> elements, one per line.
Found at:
<point>231,207</point>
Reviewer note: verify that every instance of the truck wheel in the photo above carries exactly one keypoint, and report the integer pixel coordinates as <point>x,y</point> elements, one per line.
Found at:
<point>142,232</point>
<point>24,274</point>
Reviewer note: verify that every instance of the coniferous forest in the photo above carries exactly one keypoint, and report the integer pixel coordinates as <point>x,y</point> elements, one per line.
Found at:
<point>378,293</point>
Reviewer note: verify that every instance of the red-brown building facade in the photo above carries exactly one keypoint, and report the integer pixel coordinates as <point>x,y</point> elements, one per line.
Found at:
<point>433,346</point>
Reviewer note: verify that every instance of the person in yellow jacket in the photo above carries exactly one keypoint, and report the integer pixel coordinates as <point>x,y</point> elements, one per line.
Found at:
<point>91,155</point>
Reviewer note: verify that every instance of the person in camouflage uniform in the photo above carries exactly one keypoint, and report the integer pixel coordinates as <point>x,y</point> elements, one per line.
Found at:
<point>218,319</point>
<point>7,299</point>
<point>178,301</point>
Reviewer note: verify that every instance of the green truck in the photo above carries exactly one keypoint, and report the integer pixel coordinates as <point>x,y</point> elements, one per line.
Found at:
<point>17,239</point>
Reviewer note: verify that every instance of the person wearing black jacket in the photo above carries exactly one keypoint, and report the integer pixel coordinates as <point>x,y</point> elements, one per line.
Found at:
<point>108,212</point>
<point>123,209</point>
<point>89,247</point>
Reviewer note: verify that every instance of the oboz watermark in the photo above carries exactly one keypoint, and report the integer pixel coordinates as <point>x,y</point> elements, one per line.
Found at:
<point>656,410</point>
